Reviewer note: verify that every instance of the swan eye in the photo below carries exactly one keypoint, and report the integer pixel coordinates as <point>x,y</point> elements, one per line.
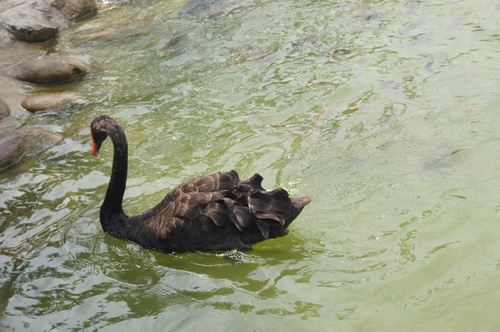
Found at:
<point>97,137</point>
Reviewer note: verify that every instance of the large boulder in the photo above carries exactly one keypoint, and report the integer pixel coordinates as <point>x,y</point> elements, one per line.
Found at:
<point>4,110</point>
<point>44,102</point>
<point>18,143</point>
<point>76,9</point>
<point>46,70</point>
<point>30,23</point>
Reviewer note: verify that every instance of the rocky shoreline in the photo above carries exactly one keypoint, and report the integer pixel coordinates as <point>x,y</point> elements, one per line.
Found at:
<point>28,30</point>
<point>25,26</point>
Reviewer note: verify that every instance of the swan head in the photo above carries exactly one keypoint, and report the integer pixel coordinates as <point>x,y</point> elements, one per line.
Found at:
<point>100,128</point>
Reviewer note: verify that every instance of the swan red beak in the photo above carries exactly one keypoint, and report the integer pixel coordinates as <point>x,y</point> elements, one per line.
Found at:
<point>95,149</point>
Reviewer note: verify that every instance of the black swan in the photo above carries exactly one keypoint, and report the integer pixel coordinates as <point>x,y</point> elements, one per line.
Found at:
<point>214,212</point>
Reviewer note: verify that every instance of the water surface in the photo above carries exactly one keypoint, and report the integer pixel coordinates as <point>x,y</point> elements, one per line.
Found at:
<point>384,112</point>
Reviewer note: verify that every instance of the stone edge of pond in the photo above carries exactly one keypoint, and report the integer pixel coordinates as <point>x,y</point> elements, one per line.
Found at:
<point>26,26</point>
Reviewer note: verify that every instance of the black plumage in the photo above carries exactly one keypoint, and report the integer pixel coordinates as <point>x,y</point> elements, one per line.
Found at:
<point>211,212</point>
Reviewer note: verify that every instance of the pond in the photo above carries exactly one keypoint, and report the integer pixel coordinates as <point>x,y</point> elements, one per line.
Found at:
<point>383,112</point>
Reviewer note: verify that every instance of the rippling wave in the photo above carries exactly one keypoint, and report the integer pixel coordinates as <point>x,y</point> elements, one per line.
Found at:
<point>383,112</point>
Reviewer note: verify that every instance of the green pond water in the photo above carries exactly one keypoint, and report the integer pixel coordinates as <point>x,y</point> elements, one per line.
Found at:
<point>385,113</point>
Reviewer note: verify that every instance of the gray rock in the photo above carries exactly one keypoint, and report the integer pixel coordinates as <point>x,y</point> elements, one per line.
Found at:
<point>49,101</point>
<point>76,9</point>
<point>18,143</point>
<point>30,23</point>
<point>46,70</point>
<point>4,110</point>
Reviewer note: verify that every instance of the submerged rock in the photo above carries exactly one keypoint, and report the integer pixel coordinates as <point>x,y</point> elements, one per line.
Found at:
<point>46,70</point>
<point>209,9</point>
<point>195,7</point>
<point>30,23</point>
<point>18,143</point>
<point>49,101</point>
<point>170,36</point>
<point>247,52</point>
<point>4,110</point>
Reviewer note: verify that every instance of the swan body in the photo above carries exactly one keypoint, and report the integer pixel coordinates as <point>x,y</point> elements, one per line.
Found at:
<point>211,212</point>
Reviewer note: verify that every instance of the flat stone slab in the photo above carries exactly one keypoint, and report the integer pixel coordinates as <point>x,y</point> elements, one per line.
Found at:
<point>30,23</point>
<point>18,143</point>
<point>47,70</point>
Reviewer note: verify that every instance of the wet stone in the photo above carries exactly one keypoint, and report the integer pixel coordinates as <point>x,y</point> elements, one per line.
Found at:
<point>46,70</point>
<point>29,23</point>
<point>18,143</point>
<point>4,110</point>
<point>76,9</point>
<point>49,101</point>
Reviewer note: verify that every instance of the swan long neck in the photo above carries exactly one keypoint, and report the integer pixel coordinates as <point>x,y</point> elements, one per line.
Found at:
<point>112,209</point>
